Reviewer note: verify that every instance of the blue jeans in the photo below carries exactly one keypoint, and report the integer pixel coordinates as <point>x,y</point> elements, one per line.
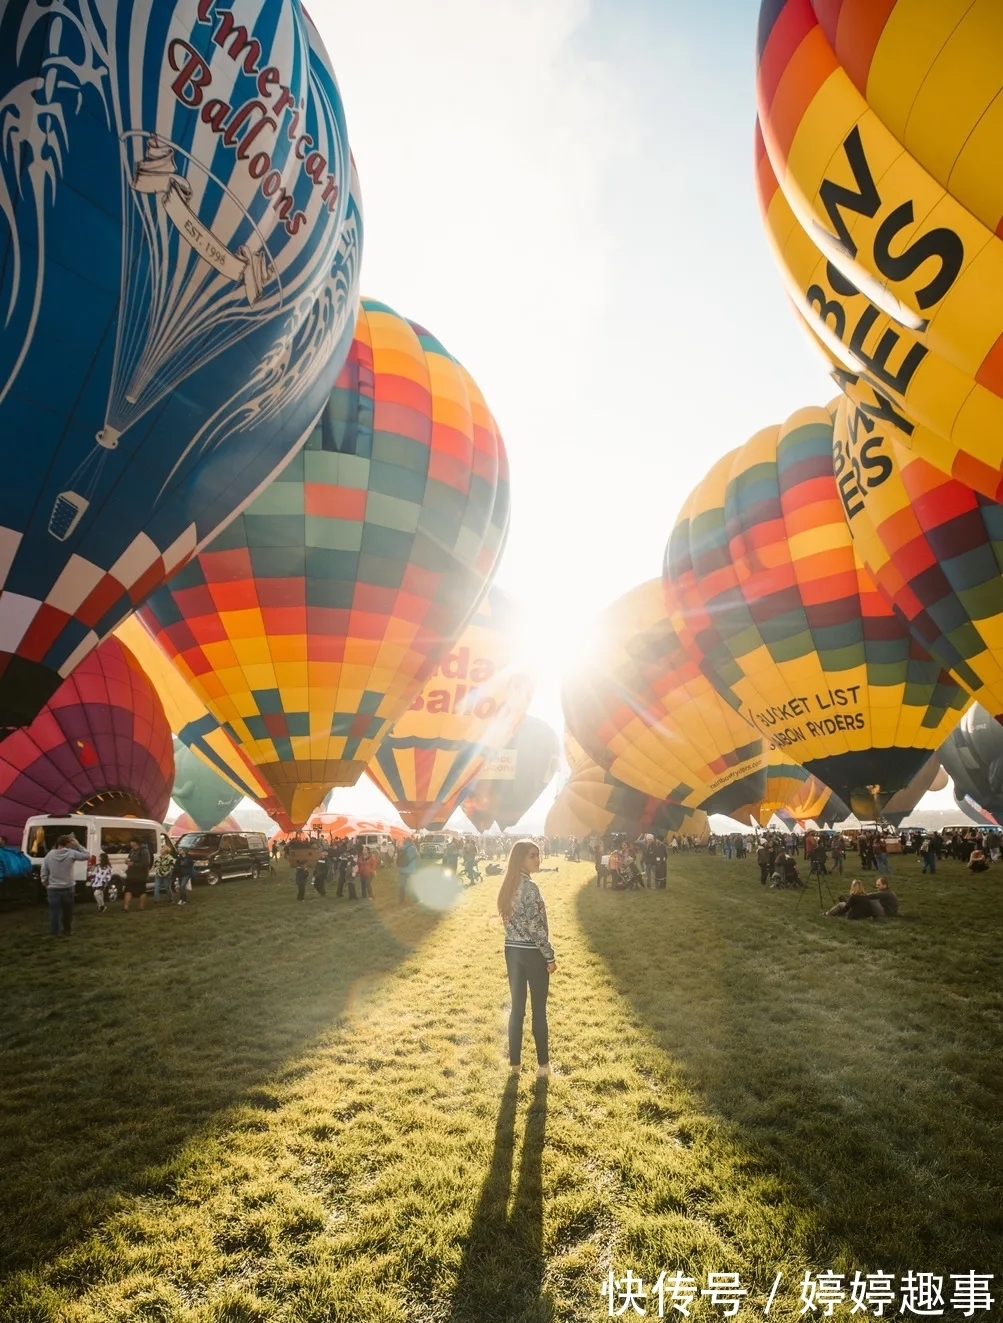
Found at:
<point>161,882</point>
<point>60,907</point>
<point>930,863</point>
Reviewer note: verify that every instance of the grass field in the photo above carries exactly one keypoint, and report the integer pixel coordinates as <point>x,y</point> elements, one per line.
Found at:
<point>252,1110</point>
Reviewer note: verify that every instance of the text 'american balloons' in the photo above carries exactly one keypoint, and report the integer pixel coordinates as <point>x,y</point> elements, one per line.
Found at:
<point>880,123</point>
<point>203,795</point>
<point>100,745</point>
<point>595,803</point>
<point>180,237</point>
<point>640,707</point>
<point>311,623</point>
<point>467,711</point>
<point>934,546</point>
<point>790,625</point>
<point>973,757</point>
<point>511,782</point>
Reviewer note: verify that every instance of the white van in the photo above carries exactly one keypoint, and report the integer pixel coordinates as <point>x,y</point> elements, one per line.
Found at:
<point>378,842</point>
<point>110,836</point>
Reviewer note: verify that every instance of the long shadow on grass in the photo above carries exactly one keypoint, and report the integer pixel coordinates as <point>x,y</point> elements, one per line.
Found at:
<point>852,1067</point>
<point>501,1273</point>
<point>122,1042</point>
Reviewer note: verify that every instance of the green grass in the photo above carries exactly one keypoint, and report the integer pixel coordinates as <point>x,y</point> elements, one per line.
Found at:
<point>257,1110</point>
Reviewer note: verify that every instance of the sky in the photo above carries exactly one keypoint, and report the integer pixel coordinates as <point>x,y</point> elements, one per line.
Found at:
<point>562,192</point>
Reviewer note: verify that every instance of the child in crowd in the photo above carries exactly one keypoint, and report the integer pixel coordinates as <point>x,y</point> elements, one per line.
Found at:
<point>99,882</point>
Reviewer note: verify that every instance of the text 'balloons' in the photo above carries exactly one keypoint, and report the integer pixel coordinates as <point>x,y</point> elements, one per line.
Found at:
<point>180,238</point>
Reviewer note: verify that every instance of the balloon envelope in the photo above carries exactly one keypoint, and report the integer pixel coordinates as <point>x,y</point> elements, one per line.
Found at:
<point>467,711</point>
<point>789,624</point>
<point>973,757</point>
<point>186,823</point>
<point>310,625</point>
<point>100,745</point>
<point>192,722</point>
<point>594,802</point>
<point>641,707</point>
<point>178,282</point>
<point>203,795</point>
<point>880,123</point>
<point>933,545</point>
<point>510,784</point>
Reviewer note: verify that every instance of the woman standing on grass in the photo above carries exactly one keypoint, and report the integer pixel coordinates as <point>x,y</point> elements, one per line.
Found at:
<point>529,957</point>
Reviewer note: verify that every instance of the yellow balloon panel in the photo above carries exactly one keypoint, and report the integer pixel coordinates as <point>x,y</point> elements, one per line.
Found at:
<point>641,708</point>
<point>952,418</point>
<point>593,802</point>
<point>790,787</point>
<point>188,716</point>
<point>884,124</point>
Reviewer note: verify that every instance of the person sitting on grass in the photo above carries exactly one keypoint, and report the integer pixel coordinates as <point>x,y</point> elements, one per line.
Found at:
<point>885,897</point>
<point>977,861</point>
<point>857,905</point>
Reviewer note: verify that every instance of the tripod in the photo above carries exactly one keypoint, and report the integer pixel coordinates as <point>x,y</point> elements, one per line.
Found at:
<point>817,871</point>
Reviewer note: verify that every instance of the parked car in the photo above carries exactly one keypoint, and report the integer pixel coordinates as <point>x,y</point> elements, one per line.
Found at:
<point>433,845</point>
<point>379,842</point>
<point>220,855</point>
<point>257,843</point>
<point>96,835</point>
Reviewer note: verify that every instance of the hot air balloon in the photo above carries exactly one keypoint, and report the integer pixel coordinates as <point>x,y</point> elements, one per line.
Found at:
<point>468,710</point>
<point>312,622</point>
<point>204,796</point>
<point>904,801</point>
<point>779,612</point>
<point>180,238</point>
<point>645,712</point>
<point>195,726</point>
<point>509,785</point>
<point>973,758</point>
<point>933,545</point>
<point>100,745</point>
<point>790,789</point>
<point>880,124</point>
<point>186,824</point>
<point>595,803</point>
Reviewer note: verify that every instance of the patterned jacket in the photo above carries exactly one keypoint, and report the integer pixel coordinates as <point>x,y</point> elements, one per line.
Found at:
<point>526,926</point>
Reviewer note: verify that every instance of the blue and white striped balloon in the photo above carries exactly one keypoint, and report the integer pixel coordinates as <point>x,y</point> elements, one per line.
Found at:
<point>180,239</point>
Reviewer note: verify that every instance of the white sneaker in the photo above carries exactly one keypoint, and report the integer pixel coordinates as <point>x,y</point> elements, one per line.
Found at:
<point>542,1072</point>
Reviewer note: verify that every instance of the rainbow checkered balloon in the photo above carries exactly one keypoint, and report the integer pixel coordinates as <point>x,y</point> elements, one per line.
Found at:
<point>787,623</point>
<point>309,626</point>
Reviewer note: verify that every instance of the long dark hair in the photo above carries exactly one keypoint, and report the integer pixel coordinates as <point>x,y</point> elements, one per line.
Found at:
<point>513,875</point>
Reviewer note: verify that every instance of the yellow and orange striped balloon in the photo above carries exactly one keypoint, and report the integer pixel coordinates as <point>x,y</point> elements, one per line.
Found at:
<point>469,708</point>
<point>880,180</point>
<point>640,707</point>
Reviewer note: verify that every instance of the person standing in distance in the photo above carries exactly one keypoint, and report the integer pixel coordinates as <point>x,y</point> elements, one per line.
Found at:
<point>59,880</point>
<point>529,957</point>
<point>137,873</point>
